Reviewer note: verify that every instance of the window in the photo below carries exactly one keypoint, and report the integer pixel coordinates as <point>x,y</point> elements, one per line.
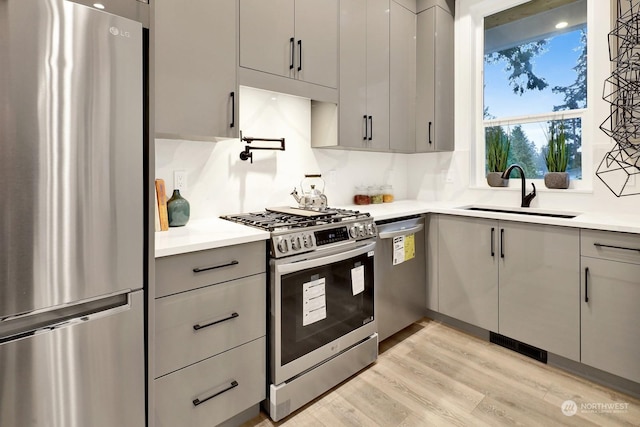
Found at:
<point>535,80</point>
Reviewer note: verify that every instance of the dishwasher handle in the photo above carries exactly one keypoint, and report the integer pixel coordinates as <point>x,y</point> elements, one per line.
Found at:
<point>401,232</point>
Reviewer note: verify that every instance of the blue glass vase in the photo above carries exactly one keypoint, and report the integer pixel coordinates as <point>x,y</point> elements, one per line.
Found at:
<point>178,210</point>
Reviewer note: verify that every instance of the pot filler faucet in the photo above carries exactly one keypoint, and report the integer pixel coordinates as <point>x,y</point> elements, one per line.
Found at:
<point>526,200</point>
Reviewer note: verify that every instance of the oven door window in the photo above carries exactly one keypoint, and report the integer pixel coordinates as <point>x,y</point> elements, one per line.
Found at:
<point>324,303</point>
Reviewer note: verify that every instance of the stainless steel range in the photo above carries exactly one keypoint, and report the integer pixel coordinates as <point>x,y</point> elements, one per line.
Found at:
<point>322,328</point>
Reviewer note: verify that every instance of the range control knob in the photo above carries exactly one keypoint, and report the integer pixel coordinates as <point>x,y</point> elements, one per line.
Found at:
<point>295,243</point>
<point>361,230</point>
<point>307,241</point>
<point>370,229</point>
<point>353,232</point>
<point>283,246</point>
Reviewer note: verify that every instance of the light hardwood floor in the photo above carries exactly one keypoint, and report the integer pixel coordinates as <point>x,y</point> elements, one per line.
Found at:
<point>433,375</point>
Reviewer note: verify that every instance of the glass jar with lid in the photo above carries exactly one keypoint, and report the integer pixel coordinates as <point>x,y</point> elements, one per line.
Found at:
<point>362,196</point>
<point>375,193</point>
<point>387,193</point>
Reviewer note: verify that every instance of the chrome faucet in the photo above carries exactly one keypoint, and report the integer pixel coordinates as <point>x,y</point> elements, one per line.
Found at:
<point>526,200</point>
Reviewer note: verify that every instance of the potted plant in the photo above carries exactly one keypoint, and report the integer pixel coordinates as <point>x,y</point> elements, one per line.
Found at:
<point>498,146</point>
<point>556,158</point>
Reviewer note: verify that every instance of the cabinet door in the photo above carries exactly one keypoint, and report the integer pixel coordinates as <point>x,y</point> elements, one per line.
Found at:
<point>402,79</point>
<point>316,44</point>
<point>434,87</point>
<point>352,108</point>
<point>425,80</point>
<point>610,317</point>
<point>195,68</point>
<point>378,74</point>
<point>444,93</point>
<point>468,270</point>
<point>266,30</point>
<point>540,286</point>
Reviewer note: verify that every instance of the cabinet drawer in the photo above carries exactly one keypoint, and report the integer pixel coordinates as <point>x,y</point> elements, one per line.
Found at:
<point>623,247</point>
<point>180,273</point>
<point>176,393</point>
<point>194,325</point>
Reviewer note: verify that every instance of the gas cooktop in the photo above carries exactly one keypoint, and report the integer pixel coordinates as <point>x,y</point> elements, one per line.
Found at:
<point>296,230</point>
<point>286,218</point>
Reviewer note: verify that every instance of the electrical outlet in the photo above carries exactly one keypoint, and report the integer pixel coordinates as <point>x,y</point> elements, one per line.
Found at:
<point>180,180</point>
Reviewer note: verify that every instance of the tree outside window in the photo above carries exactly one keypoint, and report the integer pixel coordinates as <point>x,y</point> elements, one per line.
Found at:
<point>534,76</point>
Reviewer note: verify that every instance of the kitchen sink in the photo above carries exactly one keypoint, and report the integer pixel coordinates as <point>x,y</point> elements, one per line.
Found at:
<point>522,211</point>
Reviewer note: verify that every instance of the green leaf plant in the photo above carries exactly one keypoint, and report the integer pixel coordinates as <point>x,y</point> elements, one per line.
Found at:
<point>498,146</point>
<point>555,155</point>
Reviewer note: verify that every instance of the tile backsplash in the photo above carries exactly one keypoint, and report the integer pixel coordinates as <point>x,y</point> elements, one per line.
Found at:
<point>218,182</point>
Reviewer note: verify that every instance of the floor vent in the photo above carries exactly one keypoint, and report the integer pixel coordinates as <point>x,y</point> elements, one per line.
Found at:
<point>520,347</point>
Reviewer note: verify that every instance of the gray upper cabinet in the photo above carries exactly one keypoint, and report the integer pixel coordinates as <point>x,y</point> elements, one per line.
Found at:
<point>364,75</point>
<point>402,92</point>
<point>434,87</point>
<point>196,87</point>
<point>296,39</point>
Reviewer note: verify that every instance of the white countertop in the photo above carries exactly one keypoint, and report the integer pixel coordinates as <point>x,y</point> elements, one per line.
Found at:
<point>215,232</point>
<point>621,222</point>
<point>204,234</point>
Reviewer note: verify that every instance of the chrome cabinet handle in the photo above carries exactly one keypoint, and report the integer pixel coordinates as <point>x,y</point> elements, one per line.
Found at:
<point>198,326</point>
<point>213,267</point>
<point>222,389</point>
<point>600,245</point>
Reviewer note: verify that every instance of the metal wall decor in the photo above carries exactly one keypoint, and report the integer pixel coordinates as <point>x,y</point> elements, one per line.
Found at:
<point>620,168</point>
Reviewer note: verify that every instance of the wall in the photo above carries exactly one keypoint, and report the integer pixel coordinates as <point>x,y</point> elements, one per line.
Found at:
<point>220,183</point>
<point>427,177</point>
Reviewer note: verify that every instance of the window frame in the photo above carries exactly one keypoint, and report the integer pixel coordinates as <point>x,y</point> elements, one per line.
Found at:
<point>477,175</point>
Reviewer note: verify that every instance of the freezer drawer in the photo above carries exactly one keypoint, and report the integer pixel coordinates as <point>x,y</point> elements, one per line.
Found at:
<point>88,371</point>
<point>214,390</point>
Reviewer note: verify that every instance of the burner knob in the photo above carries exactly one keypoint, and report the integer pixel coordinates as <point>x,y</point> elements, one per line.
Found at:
<point>353,231</point>
<point>295,243</point>
<point>307,241</point>
<point>283,246</point>
<point>361,230</point>
<point>370,229</point>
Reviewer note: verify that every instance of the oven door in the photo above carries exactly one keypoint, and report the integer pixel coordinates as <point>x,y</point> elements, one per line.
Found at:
<point>321,304</point>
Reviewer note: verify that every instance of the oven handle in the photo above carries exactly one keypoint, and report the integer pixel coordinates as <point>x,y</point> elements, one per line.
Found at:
<point>402,232</point>
<point>325,260</point>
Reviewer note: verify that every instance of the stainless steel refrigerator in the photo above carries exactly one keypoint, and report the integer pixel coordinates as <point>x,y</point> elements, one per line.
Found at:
<point>71,216</point>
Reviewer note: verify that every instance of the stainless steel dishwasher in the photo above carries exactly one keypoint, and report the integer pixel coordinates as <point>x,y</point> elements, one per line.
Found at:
<point>399,274</point>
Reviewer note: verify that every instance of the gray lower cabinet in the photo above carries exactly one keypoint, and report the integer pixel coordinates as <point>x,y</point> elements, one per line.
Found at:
<point>210,335</point>
<point>434,84</point>
<point>196,90</point>
<point>540,286</point>
<point>610,292</point>
<point>468,270</point>
<point>518,279</point>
